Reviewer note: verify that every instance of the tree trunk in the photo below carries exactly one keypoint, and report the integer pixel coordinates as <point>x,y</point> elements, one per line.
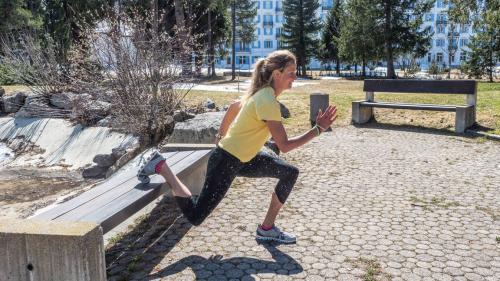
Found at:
<point>337,65</point>
<point>363,71</point>
<point>182,35</point>
<point>233,45</point>
<point>211,63</point>
<point>388,40</point>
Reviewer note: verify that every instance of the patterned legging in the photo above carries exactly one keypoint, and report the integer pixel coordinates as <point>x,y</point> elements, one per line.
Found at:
<point>222,170</point>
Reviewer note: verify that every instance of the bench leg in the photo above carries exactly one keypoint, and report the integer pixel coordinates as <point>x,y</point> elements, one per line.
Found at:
<point>42,250</point>
<point>361,114</point>
<point>464,118</point>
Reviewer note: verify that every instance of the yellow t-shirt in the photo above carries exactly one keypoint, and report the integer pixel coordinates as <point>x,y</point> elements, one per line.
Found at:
<point>249,132</point>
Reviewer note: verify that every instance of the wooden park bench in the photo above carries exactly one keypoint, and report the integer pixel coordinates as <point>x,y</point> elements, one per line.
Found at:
<point>66,242</point>
<point>465,115</point>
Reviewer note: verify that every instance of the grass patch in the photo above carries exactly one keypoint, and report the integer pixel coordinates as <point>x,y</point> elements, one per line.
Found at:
<point>371,267</point>
<point>495,214</point>
<point>344,92</point>
<point>433,203</point>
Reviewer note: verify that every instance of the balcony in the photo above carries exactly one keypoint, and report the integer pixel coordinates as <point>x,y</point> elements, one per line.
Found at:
<point>242,50</point>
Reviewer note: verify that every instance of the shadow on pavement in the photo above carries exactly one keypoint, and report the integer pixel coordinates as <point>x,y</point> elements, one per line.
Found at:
<point>240,268</point>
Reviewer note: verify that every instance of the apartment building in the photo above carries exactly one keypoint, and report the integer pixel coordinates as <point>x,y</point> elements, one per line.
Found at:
<point>269,26</point>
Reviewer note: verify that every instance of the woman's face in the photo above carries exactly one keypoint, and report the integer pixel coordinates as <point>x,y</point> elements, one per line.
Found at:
<point>284,79</point>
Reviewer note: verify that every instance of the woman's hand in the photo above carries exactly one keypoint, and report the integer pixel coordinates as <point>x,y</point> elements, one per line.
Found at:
<point>325,119</point>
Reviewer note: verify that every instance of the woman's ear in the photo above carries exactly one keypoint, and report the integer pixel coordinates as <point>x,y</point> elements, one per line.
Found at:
<point>276,74</point>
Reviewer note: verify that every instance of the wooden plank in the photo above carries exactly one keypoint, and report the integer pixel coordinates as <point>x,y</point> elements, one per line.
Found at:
<point>105,187</point>
<point>112,212</point>
<point>420,86</point>
<point>187,146</point>
<point>91,205</point>
<point>431,107</point>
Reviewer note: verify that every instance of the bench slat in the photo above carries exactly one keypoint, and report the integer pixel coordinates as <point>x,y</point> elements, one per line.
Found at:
<point>111,212</point>
<point>431,107</point>
<point>99,190</point>
<point>94,203</point>
<point>467,87</point>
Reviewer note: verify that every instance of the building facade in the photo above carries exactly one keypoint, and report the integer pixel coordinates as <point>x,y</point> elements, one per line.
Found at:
<point>269,26</point>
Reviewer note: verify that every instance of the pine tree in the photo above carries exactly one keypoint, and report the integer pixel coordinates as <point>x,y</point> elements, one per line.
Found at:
<point>485,44</point>
<point>300,30</point>
<point>401,27</point>
<point>18,15</point>
<point>359,38</point>
<point>331,34</point>
<point>243,13</point>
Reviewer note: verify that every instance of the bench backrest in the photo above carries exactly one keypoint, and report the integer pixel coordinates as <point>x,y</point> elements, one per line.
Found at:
<point>466,87</point>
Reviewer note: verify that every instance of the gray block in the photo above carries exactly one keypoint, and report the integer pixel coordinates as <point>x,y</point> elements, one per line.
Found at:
<point>44,250</point>
<point>361,114</point>
<point>464,118</point>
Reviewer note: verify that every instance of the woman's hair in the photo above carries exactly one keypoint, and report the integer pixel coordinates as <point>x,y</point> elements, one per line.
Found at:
<point>262,73</point>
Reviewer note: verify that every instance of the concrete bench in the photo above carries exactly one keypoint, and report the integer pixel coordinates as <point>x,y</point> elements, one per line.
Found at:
<point>66,242</point>
<point>465,115</point>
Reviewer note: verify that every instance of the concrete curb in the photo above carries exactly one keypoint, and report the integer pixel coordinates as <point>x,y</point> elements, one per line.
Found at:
<point>482,134</point>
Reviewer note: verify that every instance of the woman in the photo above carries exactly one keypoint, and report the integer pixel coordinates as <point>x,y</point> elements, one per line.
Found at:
<point>245,128</point>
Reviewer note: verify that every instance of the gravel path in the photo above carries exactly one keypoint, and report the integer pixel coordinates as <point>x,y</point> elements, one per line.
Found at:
<point>370,204</point>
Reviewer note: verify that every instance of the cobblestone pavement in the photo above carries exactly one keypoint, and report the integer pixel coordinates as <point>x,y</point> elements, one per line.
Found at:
<point>369,204</point>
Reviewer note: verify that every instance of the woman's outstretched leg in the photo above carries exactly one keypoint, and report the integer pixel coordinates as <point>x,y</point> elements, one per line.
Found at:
<point>221,171</point>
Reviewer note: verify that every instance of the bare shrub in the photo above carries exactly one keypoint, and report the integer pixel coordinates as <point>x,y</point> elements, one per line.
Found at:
<point>139,72</point>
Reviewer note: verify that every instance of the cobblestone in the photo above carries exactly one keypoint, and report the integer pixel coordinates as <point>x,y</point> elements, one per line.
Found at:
<point>414,205</point>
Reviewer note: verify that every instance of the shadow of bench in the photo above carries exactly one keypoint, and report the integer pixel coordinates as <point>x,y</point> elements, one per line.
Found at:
<point>465,115</point>
<point>66,242</point>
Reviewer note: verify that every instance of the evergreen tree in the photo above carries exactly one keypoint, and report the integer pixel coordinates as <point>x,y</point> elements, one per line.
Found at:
<point>359,38</point>
<point>300,30</point>
<point>64,20</point>
<point>18,15</point>
<point>331,34</point>
<point>401,27</point>
<point>243,13</point>
<point>485,44</point>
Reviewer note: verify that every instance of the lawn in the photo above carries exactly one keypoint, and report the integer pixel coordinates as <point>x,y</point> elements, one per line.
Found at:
<point>343,92</point>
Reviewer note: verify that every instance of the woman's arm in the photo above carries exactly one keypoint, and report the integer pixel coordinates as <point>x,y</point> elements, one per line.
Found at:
<point>228,119</point>
<point>324,120</point>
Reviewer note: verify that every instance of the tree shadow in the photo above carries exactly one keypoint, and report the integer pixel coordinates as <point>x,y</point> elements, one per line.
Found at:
<point>241,268</point>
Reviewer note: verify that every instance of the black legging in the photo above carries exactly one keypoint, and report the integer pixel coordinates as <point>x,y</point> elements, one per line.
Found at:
<point>221,171</point>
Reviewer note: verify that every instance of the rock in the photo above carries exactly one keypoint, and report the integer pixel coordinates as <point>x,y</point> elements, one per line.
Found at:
<point>285,113</point>
<point>95,172</point>
<point>201,129</point>
<point>118,152</point>
<point>38,106</point>
<point>2,92</point>
<point>129,153</point>
<point>13,103</point>
<point>108,121</point>
<point>104,160</point>
<point>64,100</point>
<point>210,104</point>
<point>181,116</point>
<point>90,111</point>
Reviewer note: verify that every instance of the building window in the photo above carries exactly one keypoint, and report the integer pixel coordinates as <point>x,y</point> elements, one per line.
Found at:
<point>429,57</point>
<point>463,56</point>
<point>228,60</point>
<point>268,44</point>
<point>257,4</point>
<point>267,4</point>
<point>268,31</point>
<point>439,57</point>
<point>429,17</point>
<point>279,6</point>
<point>439,42</point>
<point>256,44</point>
<point>440,3</point>
<point>464,28</point>
<point>279,30</point>
<point>464,42</point>
<point>258,30</point>
<point>441,28</point>
<point>242,59</point>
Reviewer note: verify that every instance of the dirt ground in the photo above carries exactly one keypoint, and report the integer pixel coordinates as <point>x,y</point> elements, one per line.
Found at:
<point>25,190</point>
